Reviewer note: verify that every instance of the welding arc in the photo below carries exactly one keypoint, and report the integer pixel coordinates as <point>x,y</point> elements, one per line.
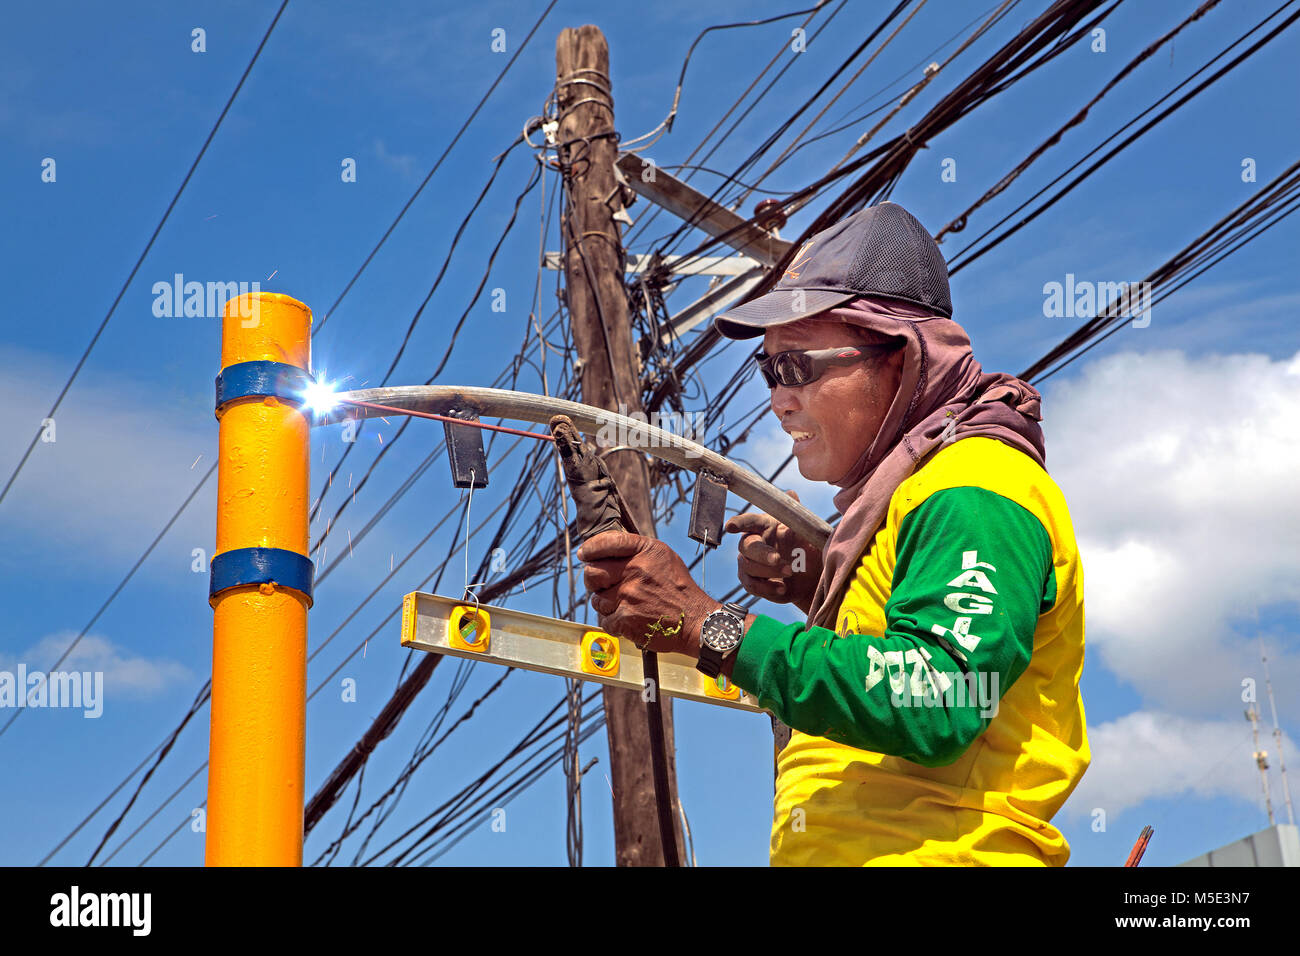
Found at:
<point>601,508</point>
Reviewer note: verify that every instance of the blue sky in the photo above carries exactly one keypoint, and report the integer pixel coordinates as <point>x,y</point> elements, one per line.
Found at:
<point>1175,443</point>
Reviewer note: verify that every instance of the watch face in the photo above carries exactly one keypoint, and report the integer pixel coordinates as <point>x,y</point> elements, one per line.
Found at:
<point>722,632</point>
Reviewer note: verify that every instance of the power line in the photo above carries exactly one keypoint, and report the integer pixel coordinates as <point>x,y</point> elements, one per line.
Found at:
<point>445,153</point>
<point>446,356</point>
<point>1028,50</point>
<point>201,698</point>
<point>967,257</point>
<point>667,124</point>
<point>117,590</point>
<point>206,688</point>
<point>780,131</point>
<point>116,790</point>
<point>149,819</point>
<point>959,222</point>
<point>503,796</point>
<point>1214,242</point>
<point>707,136</point>
<point>532,737</point>
<point>992,15</point>
<point>417,758</point>
<point>929,75</point>
<point>844,89</point>
<point>140,261</point>
<point>912,91</point>
<point>208,474</point>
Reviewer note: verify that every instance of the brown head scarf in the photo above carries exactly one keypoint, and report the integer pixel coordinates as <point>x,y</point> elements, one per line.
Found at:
<point>943,396</point>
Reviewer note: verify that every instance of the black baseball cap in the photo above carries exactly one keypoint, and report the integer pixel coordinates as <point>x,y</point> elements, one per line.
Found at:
<point>880,251</point>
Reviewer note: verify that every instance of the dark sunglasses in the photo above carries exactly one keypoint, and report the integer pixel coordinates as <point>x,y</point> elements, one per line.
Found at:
<point>796,368</point>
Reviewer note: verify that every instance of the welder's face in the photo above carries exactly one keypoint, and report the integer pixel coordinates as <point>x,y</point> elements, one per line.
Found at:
<point>834,419</point>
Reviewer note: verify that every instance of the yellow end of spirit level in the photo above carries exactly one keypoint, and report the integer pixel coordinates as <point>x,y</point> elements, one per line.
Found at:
<point>720,689</point>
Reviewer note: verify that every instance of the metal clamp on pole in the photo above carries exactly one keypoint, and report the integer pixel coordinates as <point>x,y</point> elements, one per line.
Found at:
<point>261,378</point>
<point>273,566</point>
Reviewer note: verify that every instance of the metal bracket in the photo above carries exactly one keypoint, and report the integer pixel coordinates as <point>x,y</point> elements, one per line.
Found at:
<point>678,267</point>
<point>261,379</point>
<point>708,509</point>
<point>465,453</point>
<point>687,203</point>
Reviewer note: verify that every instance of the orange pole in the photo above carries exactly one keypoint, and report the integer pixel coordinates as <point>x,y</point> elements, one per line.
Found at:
<point>259,652</point>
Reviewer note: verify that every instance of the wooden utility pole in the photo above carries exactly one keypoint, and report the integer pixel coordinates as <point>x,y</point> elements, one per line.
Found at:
<point>593,267</point>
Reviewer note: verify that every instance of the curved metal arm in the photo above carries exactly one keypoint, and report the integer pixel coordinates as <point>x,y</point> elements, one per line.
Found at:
<point>523,406</point>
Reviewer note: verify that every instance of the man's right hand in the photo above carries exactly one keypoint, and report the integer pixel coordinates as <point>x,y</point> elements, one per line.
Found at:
<point>768,555</point>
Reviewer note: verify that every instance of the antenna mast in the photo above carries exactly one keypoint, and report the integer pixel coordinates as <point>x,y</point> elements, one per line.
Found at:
<point>1277,737</point>
<point>1261,761</point>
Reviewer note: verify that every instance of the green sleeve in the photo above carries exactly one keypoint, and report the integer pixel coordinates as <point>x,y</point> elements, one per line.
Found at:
<point>973,571</point>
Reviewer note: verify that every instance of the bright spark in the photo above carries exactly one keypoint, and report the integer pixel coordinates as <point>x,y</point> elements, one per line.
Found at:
<point>319,397</point>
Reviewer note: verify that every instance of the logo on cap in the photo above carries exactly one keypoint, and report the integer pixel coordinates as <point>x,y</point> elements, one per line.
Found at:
<point>799,260</point>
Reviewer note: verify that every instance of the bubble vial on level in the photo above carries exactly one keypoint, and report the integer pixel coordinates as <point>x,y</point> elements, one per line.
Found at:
<point>468,629</point>
<point>600,654</point>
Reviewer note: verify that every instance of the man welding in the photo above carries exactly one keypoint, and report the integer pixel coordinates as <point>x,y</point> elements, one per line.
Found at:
<point>932,693</point>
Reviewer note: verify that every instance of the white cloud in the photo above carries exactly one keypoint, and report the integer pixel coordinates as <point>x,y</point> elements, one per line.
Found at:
<point>90,502</point>
<point>1149,755</point>
<point>1180,474</point>
<point>403,163</point>
<point>1214,318</point>
<point>121,463</point>
<point>124,673</point>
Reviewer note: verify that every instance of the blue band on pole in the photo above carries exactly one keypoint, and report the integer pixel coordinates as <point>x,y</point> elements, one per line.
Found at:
<point>261,378</point>
<point>244,566</point>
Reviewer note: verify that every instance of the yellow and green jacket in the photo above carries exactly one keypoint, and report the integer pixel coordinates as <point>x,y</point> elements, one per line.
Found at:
<point>940,723</point>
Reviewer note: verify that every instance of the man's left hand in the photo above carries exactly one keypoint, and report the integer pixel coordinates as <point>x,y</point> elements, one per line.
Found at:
<point>642,591</point>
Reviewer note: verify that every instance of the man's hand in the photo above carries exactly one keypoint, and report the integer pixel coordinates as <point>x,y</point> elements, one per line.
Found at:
<point>772,562</point>
<point>641,589</point>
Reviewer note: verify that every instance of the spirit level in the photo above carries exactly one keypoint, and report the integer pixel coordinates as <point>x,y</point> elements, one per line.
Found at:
<point>531,642</point>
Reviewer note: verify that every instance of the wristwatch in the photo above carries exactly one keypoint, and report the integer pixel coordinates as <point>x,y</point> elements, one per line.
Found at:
<point>719,638</point>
